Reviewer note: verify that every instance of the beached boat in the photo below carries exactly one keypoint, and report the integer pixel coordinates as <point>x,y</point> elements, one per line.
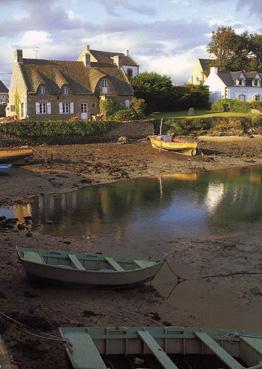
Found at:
<point>88,269</point>
<point>5,360</point>
<point>162,347</point>
<point>165,142</point>
<point>4,168</point>
<point>15,154</point>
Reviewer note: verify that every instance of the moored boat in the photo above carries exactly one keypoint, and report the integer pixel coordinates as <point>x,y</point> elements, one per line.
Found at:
<point>15,154</point>
<point>4,168</point>
<point>166,347</point>
<point>165,142</point>
<point>88,269</point>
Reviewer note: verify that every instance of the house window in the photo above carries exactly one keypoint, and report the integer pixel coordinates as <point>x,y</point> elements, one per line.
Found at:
<point>242,97</point>
<point>129,73</point>
<point>226,92</point>
<point>258,98</point>
<point>42,90</point>
<point>127,104</point>
<point>22,110</point>
<point>240,82</point>
<point>104,82</point>
<point>41,108</point>
<point>12,108</point>
<point>66,108</point>
<point>65,90</point>
<point>83,108</point>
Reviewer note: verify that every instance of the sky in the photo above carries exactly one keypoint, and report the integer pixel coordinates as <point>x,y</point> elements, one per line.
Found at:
<point>165,36</point>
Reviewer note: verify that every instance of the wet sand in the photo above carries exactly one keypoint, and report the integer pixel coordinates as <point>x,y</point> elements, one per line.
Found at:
<point>217,281</point>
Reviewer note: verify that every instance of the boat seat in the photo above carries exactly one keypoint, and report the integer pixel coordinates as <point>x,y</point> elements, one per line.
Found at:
<point>76,262</point>
<point>33,257</point>
<point>114,264</point>
<point>156,350</point>
<point>223,355</point>
<point>84,353</point>
<point>141,263</point>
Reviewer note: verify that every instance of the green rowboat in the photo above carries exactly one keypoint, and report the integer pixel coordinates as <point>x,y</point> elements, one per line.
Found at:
<point>88,269</point>
<point>162,347</point>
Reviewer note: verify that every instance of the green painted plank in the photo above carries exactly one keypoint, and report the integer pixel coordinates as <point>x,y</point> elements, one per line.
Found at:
<point>254,343</point>
<point>143,263</point>
<point>159,353</point>
<point>33,257</point>
<point>114,264</point>
<point>83,353</point>
<point>76,262</point>
<point>218,351</point>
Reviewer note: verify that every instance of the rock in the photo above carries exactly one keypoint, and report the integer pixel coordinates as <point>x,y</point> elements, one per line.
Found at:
<point>85,180</point>
<point>256,291</point>
<point>11,220</point>
<point>21,227</point>
<point>29,234</point>
<point>122,140</point>
<point>191,111</point>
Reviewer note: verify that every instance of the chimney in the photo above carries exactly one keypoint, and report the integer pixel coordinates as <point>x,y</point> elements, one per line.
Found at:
<point>86,60</point>
<point>85,56</point>
<point>18,56</point>
<point>116,60</point>
<point>127,52</point>
<point>213,70</point>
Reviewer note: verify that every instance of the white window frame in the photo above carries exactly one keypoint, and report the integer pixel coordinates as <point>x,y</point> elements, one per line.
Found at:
<point>42,90</point>
<point>83,107</point>
<point>41,108</point>
<point>66,108</point>
<point>104,82</point>
<point>65,91</point>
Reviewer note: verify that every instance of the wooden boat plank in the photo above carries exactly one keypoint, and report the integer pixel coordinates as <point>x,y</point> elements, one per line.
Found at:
<point>114,264</point>
<point>34,257</point>
<point>158,352</point>
<point>83,352</point>
<point>76,262</point>
<point>218,351</point>
<point>142,263</point>
<point>251,350</point>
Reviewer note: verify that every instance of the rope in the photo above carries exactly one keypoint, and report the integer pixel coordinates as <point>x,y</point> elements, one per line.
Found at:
<point>50,337</point>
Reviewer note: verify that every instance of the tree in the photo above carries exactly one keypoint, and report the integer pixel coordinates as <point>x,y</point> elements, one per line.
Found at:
<point>255,48</point>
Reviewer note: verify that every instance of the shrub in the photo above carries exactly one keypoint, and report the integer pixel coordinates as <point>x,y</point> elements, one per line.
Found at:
<point>139,106</point>
<point>221,105</point>
<point>124,114</point>
<point>108,106</point>
<point>30,129</point>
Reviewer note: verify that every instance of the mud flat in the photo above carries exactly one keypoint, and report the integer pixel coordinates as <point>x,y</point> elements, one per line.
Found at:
<point>217,281</point>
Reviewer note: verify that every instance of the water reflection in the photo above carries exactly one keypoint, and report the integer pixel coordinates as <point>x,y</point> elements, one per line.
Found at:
<point>152,209</point>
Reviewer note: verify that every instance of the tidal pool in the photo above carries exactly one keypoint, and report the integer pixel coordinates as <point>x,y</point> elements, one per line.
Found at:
<point>148,211</point>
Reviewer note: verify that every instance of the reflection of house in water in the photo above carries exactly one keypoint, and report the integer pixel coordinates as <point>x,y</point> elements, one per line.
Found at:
<point>214,196</point>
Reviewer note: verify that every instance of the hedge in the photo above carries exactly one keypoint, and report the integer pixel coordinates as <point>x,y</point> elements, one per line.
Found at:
<point>29,129</point>
<point>214,125</point>
<point>224,105</point>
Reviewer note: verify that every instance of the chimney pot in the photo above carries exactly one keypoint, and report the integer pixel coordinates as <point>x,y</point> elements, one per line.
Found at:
<point>127,52</point>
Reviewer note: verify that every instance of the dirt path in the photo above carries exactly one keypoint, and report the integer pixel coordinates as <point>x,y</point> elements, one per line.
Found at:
<point>217,280</point>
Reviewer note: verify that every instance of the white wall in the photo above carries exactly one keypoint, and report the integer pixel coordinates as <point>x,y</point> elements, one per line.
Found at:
<point>250,92</point>
<point>216,87</point>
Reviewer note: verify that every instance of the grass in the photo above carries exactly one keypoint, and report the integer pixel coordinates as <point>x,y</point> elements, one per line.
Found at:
<point>198,113</point>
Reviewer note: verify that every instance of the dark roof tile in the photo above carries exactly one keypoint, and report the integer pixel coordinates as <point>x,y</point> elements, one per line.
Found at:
<point>3,88</point>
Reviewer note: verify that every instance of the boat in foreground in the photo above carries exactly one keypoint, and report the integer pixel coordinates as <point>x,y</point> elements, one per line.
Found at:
<point>165,142</point>
<point>15,154</point>
<point>4,168</point>
<point>88,269</point>
<point>166,347</point>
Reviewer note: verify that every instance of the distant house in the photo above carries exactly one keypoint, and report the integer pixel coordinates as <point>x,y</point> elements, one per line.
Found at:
<point>56,89</point>
<point>3,98</point>
<point>200,71</point>
<point>244,86</point>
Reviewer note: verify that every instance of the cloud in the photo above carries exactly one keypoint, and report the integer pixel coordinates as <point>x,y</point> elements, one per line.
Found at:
<point>114,7</point>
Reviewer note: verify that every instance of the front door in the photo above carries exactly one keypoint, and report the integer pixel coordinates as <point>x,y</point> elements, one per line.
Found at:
<point>84,111</point>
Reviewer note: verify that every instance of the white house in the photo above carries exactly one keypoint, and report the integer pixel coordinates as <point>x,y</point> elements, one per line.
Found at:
<point>240,85</point>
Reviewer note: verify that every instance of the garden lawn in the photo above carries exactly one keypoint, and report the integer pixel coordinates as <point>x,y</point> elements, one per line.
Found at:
<point>198,114</point>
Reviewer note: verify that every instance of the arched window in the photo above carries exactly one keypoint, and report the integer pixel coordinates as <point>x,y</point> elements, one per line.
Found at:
<point>104,82</point>
<point>42,90</point>
<point>257,97</point>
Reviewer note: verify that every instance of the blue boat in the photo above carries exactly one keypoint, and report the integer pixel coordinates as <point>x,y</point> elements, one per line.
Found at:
<point>4,168</point>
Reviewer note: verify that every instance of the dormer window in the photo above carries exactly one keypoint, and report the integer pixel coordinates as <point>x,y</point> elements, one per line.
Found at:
<point>42,90</point>
<point>256,82</point>
<point>65,91</point>
<point>241,82</point>
<point>104,86</point>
